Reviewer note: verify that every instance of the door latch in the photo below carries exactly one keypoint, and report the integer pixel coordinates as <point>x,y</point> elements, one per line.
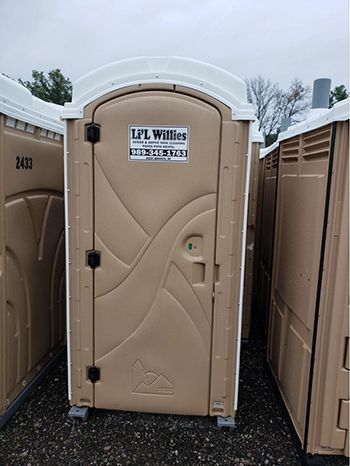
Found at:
<point>93,373</point>
<point>93,258</point>
<point>92,133</point>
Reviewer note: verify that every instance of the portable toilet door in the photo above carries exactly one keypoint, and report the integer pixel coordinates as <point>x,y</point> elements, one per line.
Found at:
<point>157,171</point>
<point>32,288</point>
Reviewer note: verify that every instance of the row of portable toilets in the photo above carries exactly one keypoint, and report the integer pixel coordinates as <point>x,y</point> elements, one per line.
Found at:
<point>177,228</point>
<point>300,285</point>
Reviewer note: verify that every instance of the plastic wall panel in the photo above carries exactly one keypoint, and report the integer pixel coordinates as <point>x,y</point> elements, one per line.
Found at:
<point>32,291</point>
<point>267,219</point>
<point>329,415</point>
<point>257,244</point>
<point>301,200</point>
<point>251,235</point>
<point>299,238</point>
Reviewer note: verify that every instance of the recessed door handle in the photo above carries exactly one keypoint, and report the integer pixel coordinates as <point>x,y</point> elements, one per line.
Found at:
<point>198,273</point>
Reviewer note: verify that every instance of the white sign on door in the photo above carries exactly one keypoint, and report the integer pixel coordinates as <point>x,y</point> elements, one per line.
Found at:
<point>158,143</point>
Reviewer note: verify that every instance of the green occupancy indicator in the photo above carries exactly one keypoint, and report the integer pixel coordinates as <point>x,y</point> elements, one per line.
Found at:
<point>190,246</point>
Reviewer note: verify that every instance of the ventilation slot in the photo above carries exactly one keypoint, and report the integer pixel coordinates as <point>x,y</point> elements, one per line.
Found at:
<point>50,134</point>
<point>316,144</point>
<point>290,150</point>
<point>20,125</point>
<point>275,158</point>
<point>268,162</point>
<point>10,122</point>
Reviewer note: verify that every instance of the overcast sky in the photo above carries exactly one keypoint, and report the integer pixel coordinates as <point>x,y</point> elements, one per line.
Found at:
<point>279,39</point>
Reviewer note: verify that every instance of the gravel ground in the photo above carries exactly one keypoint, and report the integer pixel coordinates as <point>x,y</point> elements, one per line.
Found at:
<point>41,434</point>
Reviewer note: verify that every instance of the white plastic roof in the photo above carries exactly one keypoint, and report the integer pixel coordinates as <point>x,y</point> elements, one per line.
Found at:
<point>194,74</point>
<point>267,150</point>
<point>17,102</point>
<point>317,118</point>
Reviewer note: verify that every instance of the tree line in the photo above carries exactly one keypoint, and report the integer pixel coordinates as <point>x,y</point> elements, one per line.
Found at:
<point>271,103</point>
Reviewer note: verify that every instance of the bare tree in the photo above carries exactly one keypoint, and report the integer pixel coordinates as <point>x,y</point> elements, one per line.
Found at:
<point>262,94</point>
<point>272,103</point>
<point>296,99</point>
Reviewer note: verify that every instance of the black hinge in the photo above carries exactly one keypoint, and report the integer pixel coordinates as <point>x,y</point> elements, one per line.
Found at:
<point>92,133</point>
<point>93,258</point>
<point>93,374</point>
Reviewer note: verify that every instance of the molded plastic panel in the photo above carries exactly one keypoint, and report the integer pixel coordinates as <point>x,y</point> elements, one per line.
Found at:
<point>263,257</point>
<point>32,291</point>
<point>251,240</point>
<point>329,416</point>
<point>301,202</point>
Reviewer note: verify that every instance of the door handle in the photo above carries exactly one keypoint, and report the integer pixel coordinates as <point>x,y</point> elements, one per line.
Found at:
<point>198,273</point>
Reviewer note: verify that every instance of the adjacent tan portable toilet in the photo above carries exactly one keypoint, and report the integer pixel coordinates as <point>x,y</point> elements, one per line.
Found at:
<point>158,158</point>
<point>308,343</point>
<point>32,302</point>
<point>266,209</point>
<point>257,140</point>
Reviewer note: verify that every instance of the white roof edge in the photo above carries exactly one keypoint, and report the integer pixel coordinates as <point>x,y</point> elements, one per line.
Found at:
<point>318,118</point>
<point>257,136</point>
<point>17,102</point>
<point>264,152</point>
<point>187,72</point>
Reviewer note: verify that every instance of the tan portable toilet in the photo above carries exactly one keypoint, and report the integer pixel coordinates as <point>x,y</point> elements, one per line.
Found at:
<point>257,242</point>
<point>257,141</point>
<point>158,159</point>
<point>266,210</point>
<point>32,321</point>
<point>308,343</point>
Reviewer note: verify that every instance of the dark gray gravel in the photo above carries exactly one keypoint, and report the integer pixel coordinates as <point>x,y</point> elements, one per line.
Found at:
<point>41,434</point>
